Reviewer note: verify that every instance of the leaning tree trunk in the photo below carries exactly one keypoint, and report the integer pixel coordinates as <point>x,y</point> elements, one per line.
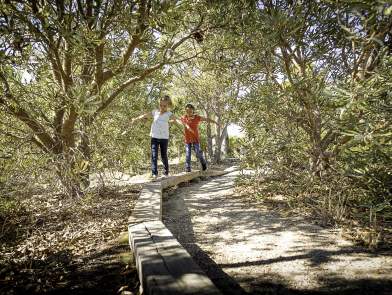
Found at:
<point>221,147</point>
<point>218,143</point>
<point>220,137</point>
<point>210,150</point>
<point>226,144</point>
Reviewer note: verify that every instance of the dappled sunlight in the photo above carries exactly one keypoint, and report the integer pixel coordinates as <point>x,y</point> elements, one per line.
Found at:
<point>246,241</point>
<point>112,110</point>
<point>117,178</point>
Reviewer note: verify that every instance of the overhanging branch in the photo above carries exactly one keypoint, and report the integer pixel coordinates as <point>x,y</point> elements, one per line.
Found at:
<point>21,114</point>
<point>123,86</point>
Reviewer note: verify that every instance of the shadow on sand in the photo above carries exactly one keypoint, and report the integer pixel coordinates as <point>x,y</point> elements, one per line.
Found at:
<point>177,208</point>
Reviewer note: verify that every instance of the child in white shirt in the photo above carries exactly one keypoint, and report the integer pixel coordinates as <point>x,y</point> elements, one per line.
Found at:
<point>159,134</point>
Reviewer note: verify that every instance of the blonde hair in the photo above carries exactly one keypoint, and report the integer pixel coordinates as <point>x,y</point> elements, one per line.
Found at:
<point>167,99</point>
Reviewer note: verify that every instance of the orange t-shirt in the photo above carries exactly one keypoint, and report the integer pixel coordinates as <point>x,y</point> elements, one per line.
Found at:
<point>193,123</point>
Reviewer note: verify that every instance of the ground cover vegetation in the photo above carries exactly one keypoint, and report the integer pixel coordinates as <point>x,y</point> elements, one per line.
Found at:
<point>309,83</point>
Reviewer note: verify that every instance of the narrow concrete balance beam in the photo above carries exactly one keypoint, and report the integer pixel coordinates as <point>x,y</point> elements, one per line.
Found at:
<point>149,205</point>
<point>179,178</point>
<point>163,265</point>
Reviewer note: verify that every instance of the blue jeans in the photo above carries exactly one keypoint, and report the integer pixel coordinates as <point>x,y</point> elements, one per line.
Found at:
<point>199,155</point>
<point>157,143</point>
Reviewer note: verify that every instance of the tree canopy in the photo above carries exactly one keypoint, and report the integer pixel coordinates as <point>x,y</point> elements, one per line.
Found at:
<point>307,81</point>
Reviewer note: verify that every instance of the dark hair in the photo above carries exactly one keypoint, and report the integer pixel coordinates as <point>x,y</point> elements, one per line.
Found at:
<point>190,106</point>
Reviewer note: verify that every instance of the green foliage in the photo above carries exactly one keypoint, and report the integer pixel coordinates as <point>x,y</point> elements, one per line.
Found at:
<point>367,155</point>
<point>63,64</point>
<point>317,105</point>
<point>308,81</point>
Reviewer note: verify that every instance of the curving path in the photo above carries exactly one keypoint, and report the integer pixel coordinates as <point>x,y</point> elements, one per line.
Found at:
<point>248,250</point>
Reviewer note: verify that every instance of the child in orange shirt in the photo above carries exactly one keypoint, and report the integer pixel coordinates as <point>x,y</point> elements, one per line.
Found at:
<point>191,122</point>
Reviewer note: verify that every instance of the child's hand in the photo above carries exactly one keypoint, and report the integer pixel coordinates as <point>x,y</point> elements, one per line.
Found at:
<point>189,129</point>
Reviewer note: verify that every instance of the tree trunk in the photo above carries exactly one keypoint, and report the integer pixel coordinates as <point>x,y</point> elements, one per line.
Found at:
<point>65,170</point>
<point>210,150</point>
<point>85,151</point>
<point>226,144</point>
<point>220,136</point>
<point>318,159</point>
<point>73,165</point>
<point>217,153</point>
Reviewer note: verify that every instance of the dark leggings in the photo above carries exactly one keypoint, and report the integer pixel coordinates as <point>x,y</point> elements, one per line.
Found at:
<point>162,144</point>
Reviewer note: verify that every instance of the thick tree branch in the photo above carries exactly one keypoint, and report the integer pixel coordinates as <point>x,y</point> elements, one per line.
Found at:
<point>20,113</point>
<point>134,42</point>
<point>68,127</point>
<point>146,72</point>
<point>123,86</point>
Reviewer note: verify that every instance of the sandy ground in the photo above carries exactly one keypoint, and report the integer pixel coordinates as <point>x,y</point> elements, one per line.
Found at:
<point>249,250</point>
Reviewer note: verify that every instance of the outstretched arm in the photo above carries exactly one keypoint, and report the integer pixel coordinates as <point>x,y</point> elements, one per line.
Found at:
<point>174,119</point>
<point>141,117</point>
<point>179,122</point>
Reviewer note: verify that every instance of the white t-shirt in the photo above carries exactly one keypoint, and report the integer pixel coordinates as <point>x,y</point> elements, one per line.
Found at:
<point>160,125</point>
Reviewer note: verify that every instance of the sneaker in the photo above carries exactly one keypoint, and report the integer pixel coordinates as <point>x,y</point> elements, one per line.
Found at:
<point>188,170</point>
<point>204,167</point>
<point>153,177</point>
<point>165,175</point>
